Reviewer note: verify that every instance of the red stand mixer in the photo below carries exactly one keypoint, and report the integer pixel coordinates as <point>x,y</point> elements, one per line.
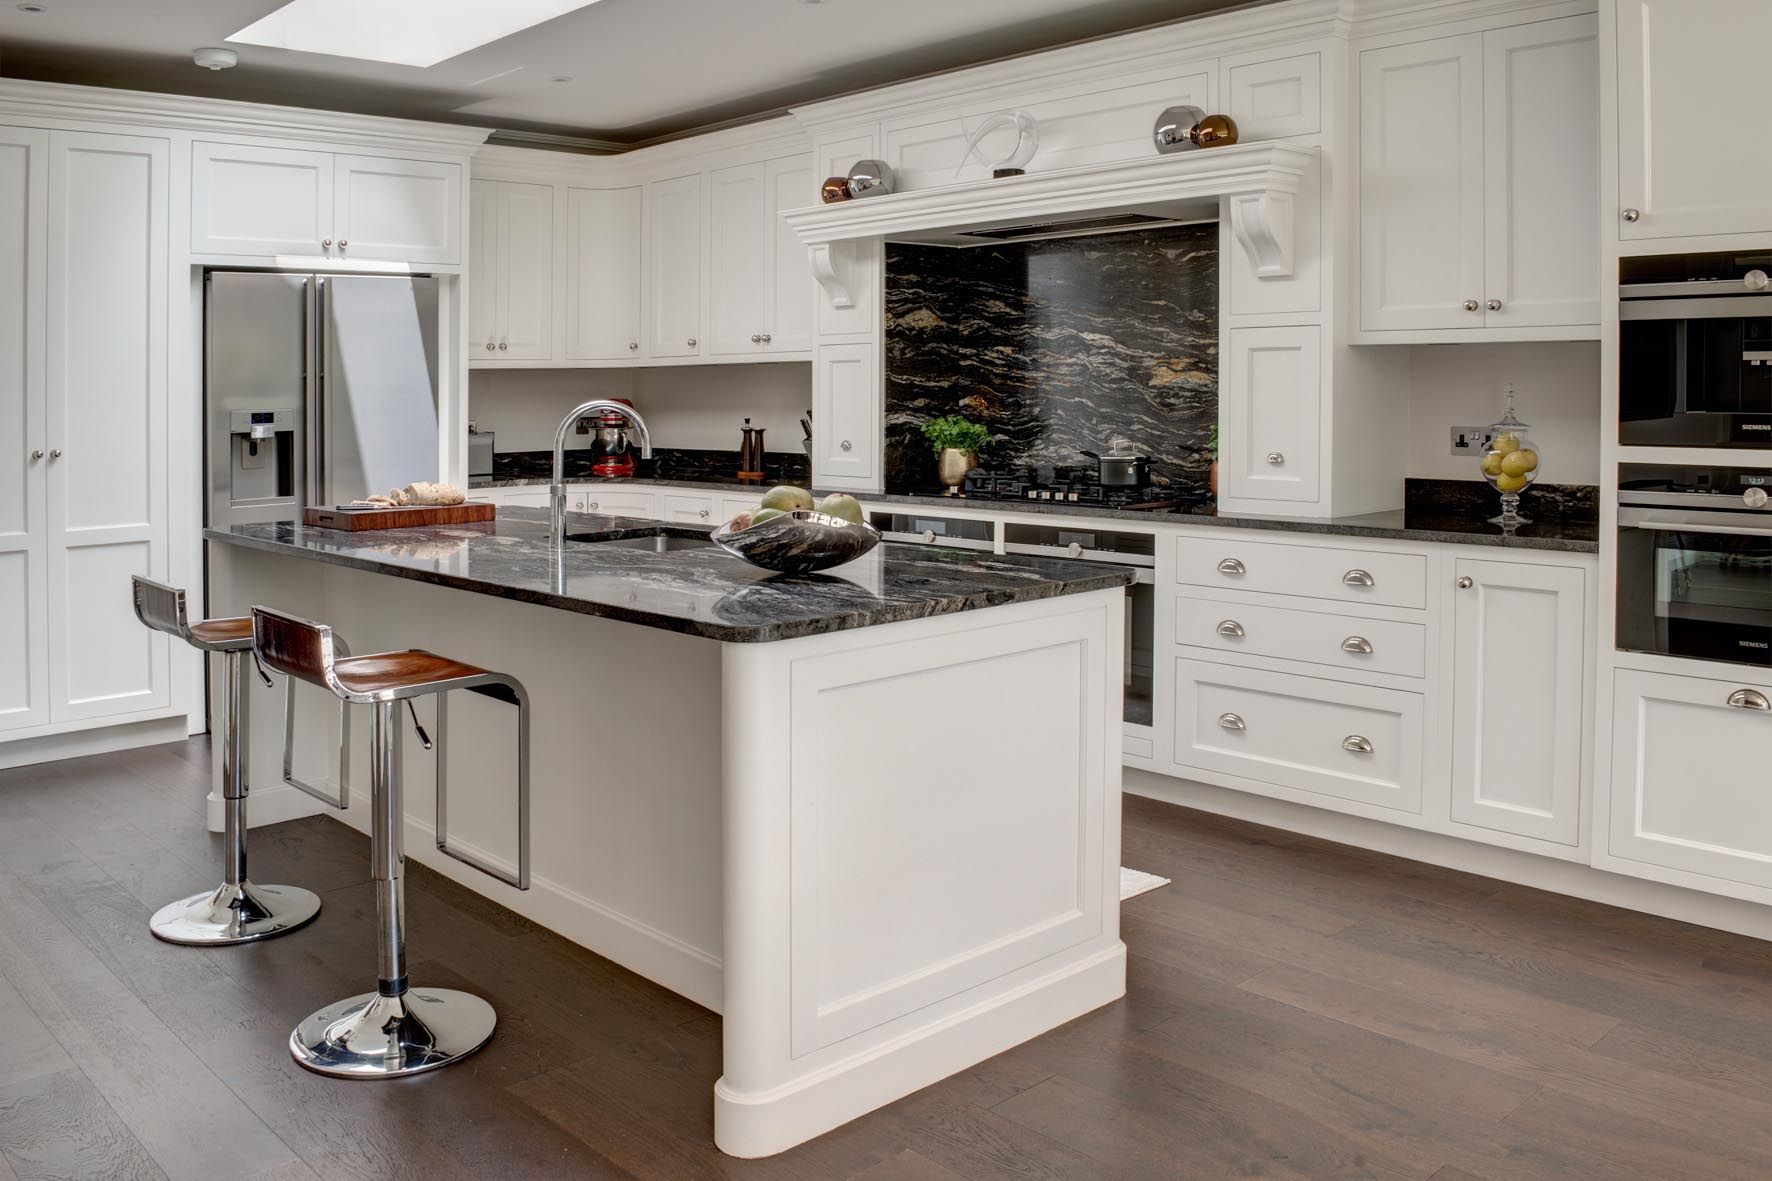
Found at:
<point>609,444</point>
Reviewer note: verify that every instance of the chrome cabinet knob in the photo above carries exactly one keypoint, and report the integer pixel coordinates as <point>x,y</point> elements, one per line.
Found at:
<point>1231,722</point>
<point>1231,566</point>
<point>503,345</point>
<point>1749,699</point>
<point>1358,743</point>
<point>846,445</point>
<point>706,513</point>
<point>1229,627</point>
<point>1074,549</point>
<point>1471,305</point>
<point>36,455</point>
<point>1632,214</point>
<point>1494,305</point>
<point>342,243</point>
<point>1755,280</point>
<point>591,505</point>
<point>55,453</point>
<point>767,337</point>
<point>579,504</point>
<point>1358,577</point>
<point>632,345</point>
<point>1275,458</point>
<point>326,243</point>
<point>490,347</point>
<point>756,339</point>
<point>1755,498</point>
<point>1466,582</point>
<point>929,536</point>
<point>691,342</point>
<point>1357,644</point>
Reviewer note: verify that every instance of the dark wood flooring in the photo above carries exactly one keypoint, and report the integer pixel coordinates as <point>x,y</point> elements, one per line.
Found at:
<point>1297,1009</point>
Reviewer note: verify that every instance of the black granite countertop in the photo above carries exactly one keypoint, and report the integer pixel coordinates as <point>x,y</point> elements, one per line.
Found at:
<point>700,592</point>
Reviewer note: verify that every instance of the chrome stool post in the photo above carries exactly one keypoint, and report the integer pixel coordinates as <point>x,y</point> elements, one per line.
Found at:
<point>237,911</point>
<point>398,1029</point>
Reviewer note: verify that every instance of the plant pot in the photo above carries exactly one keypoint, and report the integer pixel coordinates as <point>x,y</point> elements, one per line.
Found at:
<point>1212,478</point>
<point>951,466</point>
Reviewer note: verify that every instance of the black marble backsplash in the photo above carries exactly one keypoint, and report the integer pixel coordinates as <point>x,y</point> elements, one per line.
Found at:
<point>1108,343</point>
<point>1561,502</point>
<point>667,463</point>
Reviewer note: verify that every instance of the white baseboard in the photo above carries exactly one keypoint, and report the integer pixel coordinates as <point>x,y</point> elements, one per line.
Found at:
<point>48,748</point>
<point>1508,865</point>
<point>268,805</point>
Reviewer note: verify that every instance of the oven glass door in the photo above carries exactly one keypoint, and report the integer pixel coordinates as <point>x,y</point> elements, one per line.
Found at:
<point>1695,381</point>
<point>1706,595</point>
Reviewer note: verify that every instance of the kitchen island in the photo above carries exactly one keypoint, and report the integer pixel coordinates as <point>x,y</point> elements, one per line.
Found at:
<point>871,817</point>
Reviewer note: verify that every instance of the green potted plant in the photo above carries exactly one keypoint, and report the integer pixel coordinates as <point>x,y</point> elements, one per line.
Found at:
<point>1212,473</point>
<point>956,441</point>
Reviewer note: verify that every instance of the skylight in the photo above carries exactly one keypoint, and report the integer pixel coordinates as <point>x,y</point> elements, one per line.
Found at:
<point>403,32</point>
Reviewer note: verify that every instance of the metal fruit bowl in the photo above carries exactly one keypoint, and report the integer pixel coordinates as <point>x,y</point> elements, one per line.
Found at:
<point>799,542</point>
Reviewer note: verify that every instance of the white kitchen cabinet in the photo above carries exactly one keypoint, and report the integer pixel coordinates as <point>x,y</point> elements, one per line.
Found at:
<point>1691,80</point>
<point>106,381</point>
<point>267,201</point>
<point>603,237</point>
<point>511,277</point>
<point>1689,776</point>
<point>399,210</point>
<point>1269,445</point>
<point>24,546</point>
<point>1479,181</point>
<point>260,201</point>
<point>674,243</point>
<point>626,501</point>
<point>760,292</point>
<point>846,417</point>
<point>686,507</point>
<point>1519,698</point>
<point>791,184</point>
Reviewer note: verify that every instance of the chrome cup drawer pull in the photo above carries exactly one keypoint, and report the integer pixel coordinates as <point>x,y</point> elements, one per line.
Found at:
<point>1231,566</point>
<point>1231,722</point>
<point>1358,577</point>
<point>1358,743</point>
<point>1359,644</point>
<point>1230,627</point>
<point>1749,699</point>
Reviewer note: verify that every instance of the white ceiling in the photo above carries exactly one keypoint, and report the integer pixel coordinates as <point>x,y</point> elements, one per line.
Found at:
<point>636,69</point>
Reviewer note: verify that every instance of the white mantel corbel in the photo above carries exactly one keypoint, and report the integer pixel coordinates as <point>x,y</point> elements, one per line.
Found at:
<point>1255,185</point>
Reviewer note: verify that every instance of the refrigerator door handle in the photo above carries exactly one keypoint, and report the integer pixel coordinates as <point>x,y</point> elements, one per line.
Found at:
<point>314,355</point>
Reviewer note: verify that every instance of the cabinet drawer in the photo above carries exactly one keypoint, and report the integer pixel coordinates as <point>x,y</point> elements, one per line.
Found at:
<point>613,503</point>
<point>1352,742</point>
<point>693,510</point>
<point>1286,633</point>
<point>1319,572</point>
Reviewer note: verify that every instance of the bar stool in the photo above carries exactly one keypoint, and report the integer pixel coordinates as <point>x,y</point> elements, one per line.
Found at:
<point>237,911</point>
<point>397,1029</point>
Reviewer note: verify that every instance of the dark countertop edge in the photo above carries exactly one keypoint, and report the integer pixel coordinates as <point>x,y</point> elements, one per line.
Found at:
<point>1111,578</point>
<point>483,483</point>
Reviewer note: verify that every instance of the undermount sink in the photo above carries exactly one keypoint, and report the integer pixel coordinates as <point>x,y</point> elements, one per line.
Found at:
<point>657,541</point>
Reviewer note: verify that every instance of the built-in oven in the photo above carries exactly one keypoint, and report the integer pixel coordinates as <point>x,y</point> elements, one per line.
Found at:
<point>1695,351</point>
<point>1695,562</point>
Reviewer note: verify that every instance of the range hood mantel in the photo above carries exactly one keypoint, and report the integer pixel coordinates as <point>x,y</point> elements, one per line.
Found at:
<point>1254,184</point>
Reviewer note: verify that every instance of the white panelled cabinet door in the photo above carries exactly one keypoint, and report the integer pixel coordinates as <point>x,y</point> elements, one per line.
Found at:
<point>525,271</point>
<point>106,380</point>
<point>1689,74</point>
<point>673,238</point>
<point>1519,698</point>
<point>482,279</point>
<point>398,210</point>
<point>260,201</point>
<point>738,252</point>
<point>24,432</point>
<point>846,417</point>
<point>603,236</point>
<point>1541,128</point>
<point>1270,448</point>
<point>1421,185</point>
<point>791,184</point>
<point>1689,775</point>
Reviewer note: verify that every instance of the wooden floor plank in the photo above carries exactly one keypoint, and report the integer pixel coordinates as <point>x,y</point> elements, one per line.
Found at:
<point>27,1047</point>
<point>57,1127</point>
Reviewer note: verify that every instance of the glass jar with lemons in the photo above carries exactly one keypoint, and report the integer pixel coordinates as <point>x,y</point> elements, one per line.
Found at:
<point>1511,463</point>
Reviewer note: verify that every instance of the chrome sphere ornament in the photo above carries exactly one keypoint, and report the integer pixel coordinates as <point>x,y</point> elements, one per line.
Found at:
<point>870,178</point>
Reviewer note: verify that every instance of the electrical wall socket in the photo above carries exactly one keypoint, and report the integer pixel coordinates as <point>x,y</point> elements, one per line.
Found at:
<point>1471,441</point>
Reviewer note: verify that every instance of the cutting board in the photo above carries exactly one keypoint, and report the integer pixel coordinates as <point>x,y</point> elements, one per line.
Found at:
<point>355,518</point>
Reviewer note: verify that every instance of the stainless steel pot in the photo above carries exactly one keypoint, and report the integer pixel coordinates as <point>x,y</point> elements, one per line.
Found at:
<point>1121,471</point>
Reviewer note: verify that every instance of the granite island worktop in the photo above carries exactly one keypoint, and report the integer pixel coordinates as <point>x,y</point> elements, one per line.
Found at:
<point>702,591</point>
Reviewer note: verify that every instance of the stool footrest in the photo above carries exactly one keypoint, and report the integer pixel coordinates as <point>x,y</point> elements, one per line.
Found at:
<point>512,695</point>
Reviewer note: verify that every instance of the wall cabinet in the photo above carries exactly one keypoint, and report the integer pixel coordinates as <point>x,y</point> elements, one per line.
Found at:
<point>267,201</point>
<point>1689,759</point>
<point>83,396</point>
<point>759,288</point>
<point>603,270</point>
<point>511,256</point>
<point>1270,416</point>
<point>1518,693</point>
<point>674,273</point>
<point>1479,181</point>
<point>1688,76</point>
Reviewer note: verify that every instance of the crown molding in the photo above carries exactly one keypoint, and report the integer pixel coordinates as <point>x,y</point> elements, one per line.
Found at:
<point>550,142</point>
<point>55,101</point>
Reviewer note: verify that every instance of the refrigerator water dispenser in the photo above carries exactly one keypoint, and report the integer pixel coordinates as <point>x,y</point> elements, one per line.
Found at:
<point>263,467</point>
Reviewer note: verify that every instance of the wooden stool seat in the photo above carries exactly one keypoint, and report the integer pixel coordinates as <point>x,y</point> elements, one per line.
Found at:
<point>222,634</point>
<point>399,673</point>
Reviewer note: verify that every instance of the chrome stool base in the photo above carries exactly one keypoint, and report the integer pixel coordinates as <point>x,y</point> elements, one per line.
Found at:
<point>234,914</point>
<point>376,1036</point>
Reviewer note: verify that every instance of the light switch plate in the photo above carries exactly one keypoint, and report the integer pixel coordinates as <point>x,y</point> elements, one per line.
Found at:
<point>1471,441</point>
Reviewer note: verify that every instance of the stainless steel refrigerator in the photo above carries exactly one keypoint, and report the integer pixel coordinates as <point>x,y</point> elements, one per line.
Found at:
<point>318,389</point>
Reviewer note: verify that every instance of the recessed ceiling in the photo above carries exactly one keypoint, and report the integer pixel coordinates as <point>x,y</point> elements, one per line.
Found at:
<point>624,71</point>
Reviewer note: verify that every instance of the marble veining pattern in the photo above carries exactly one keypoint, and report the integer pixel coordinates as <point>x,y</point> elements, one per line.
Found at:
<point>1108,343</point>
<point>700,591</point>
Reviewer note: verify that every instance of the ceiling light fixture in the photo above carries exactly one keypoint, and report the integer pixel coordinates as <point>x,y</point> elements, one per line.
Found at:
<point>32,8</point>
<point>401,32</point>
<point>215,59</point>
<point>561,78</point>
